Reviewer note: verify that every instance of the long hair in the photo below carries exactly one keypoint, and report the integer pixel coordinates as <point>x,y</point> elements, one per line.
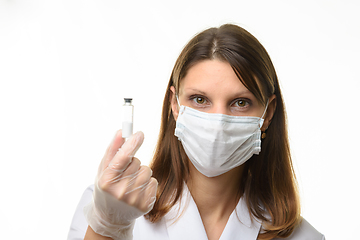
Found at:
<point>268,182</point>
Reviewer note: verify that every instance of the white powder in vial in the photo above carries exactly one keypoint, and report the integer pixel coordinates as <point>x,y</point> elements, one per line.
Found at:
<point>127,129</point>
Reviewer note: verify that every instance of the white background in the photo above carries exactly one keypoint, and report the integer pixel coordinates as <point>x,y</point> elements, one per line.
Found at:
<point>65,67</point>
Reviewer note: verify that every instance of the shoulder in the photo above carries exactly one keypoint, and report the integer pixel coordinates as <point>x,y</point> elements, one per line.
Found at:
<point>304,231</point>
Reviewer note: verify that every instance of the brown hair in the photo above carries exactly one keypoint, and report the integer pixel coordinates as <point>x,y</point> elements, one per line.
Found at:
<point>268,183</point>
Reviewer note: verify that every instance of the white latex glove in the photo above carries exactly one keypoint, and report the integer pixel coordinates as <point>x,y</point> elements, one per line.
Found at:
<point>124,190</point>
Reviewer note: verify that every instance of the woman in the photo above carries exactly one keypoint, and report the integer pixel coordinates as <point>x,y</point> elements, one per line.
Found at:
<point>222,167</point>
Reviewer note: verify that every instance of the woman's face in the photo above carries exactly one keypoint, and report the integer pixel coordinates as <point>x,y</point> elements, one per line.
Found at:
<point>212,86</point>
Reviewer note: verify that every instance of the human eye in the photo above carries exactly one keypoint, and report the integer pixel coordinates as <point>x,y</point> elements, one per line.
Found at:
<point>241,104</point>
<point>199,101</point>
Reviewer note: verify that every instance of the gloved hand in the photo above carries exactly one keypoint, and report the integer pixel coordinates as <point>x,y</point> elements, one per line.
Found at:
<point>123,191</point>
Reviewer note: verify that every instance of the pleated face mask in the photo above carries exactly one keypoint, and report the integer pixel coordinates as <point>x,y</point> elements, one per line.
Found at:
<point>216,143</point>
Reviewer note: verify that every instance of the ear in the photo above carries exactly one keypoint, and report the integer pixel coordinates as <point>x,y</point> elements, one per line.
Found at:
<point>174,103</point>
<point>269,113</point>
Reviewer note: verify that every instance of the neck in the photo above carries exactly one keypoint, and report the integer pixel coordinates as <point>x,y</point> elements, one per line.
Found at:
<point>215,197</point>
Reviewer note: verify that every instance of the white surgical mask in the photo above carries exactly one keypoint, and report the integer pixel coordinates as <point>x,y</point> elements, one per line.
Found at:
<point>216,143</point>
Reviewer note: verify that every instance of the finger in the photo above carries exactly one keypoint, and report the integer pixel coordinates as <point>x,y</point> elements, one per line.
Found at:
<point>149,196</point>
<point>131,182</point>
<point>143,177</point>
<point>139,180</point>
<point>112,149</point>
<point>132,145</point>
<point>132,169</point>
<point>142,191</point>
<point>125,154</point>
<point>122,179</point>
<point>116,143</point>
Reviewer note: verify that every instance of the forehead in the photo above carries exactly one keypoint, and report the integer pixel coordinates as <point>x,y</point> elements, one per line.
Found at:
<point>212,76</point>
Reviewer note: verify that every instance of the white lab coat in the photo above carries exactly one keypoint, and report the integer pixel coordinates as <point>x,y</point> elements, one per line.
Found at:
<point>184,222</point>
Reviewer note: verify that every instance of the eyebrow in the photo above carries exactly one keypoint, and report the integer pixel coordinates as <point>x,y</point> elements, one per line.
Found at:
<point>246,91</point>
<point>196,90</point>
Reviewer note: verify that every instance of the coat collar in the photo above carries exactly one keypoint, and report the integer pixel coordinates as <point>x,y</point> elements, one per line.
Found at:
<point>183,221</point>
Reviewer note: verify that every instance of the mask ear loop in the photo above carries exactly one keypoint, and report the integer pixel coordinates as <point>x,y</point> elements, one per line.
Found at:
<point>266,106</point>
<point>177,100</point>
<point>263,134</point>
